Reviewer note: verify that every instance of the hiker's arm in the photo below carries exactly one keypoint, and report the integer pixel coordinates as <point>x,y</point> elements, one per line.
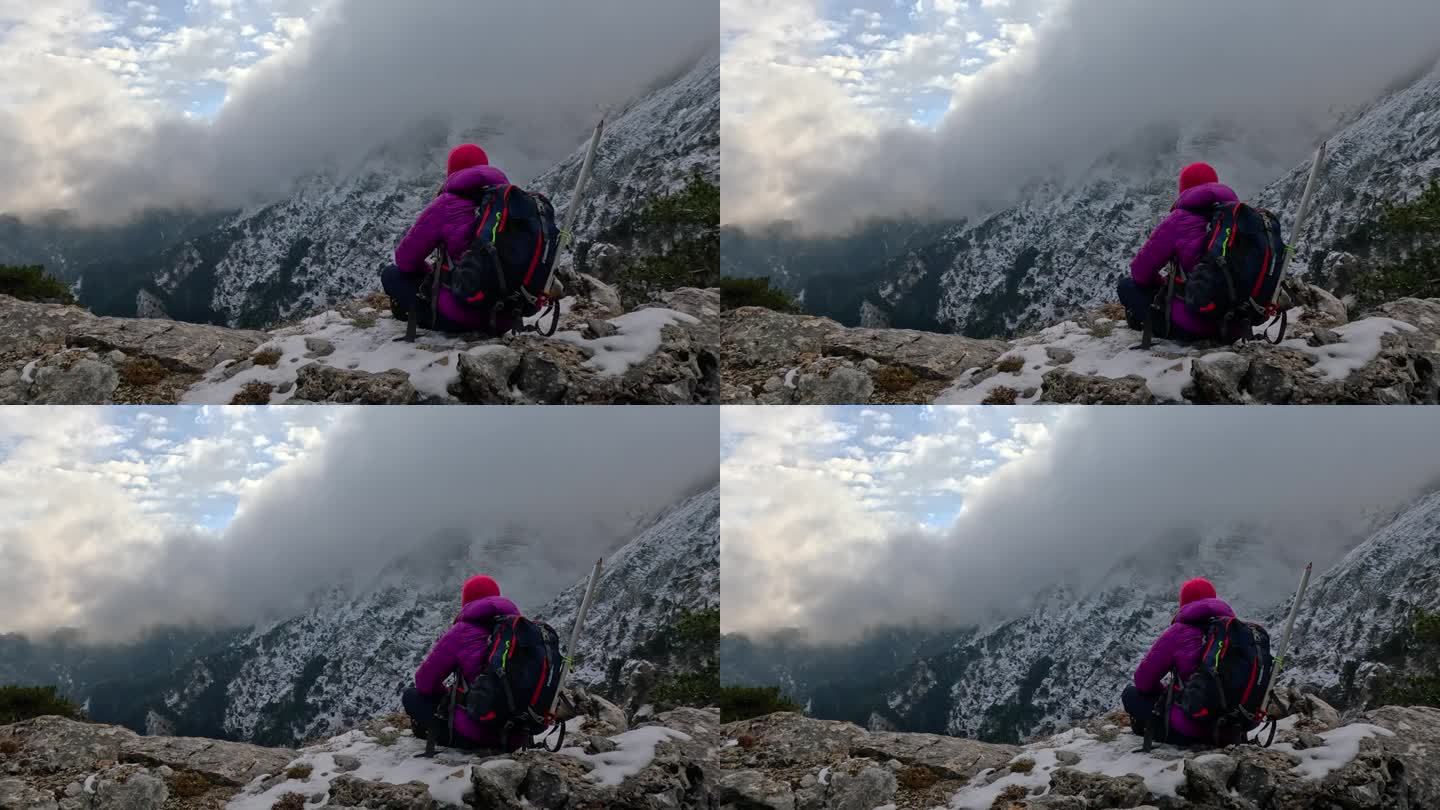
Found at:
<point>441,661</point>
<point>1150,675</point>
<point>1157,252</point>
<point>421,240</point>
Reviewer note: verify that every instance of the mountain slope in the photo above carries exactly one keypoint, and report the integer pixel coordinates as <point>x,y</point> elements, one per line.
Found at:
<point>1061,249</point>
<point>1068,658</point>
<point>347,657</point>
<point>327,240</point>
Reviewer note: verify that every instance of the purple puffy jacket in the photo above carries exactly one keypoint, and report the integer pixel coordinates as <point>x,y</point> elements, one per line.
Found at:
<point>463,649</point>
<point>447,221</point>
<point>1181,237</point>
<point>1178,649</point>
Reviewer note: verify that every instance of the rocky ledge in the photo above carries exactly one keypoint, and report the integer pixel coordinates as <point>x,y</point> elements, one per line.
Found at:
<point>663,352</point>
<point>1387,758</point>
<point>1390,356</point>
<point>52,763</point>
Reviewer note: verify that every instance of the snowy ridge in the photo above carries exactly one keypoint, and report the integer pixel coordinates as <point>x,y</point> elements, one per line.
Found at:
<point>327,241</point>
<point>651,149</point>
<point>345,659</point>
<point>1069,656</point>
<point>1061,248</point>
<point>1373,592</point>
<point>672,568</point>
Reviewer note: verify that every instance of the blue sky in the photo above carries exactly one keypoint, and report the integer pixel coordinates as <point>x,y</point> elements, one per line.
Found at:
<point>896,60</point>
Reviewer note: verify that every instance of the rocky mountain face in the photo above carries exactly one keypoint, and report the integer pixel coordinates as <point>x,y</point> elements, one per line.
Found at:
<point>1388,357</point>
<point>1061,249</point>
<point>785,762</point>
<point>664,352</point>
<point>51,763</point>
<point>347,657</point>
<point>1069,656</point>
<point>327,241</point>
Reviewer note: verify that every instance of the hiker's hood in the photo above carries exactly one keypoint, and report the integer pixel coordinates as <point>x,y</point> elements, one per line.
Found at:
<point>1202,610</point>
<point>1207,195</point>
<point>488,608</point>
<point>473,179</point>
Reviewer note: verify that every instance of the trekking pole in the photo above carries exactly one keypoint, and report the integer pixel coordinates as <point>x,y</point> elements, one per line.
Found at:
<point>575,633</point>
<point>585,168</point>
<point>1306,197</point>
<point>1285,642</point>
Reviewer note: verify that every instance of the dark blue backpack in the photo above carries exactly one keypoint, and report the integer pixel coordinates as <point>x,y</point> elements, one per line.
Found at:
<point>1228,690</point>
<point>1237,278</point>
<point>518,685</point>
<point>505,272</point>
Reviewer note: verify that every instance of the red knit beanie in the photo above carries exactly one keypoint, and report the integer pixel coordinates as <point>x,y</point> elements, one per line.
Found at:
<point>478,587</point>
<point>1195,590</point>
<point>465,156</point>
<point>1197,174</point>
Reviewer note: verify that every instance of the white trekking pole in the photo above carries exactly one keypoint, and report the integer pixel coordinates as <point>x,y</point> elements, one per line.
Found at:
<point>554,289</point>
<point>1285,643</point>
<point>574,640</point>
<point>1301,216</point>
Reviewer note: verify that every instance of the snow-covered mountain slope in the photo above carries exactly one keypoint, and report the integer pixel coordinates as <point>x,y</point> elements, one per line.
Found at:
<point>1061,249</point>
<point>1350,635</point>
<point>1068,657</point>
<point>348,656</point>
<point>328,240</point>
<point>670,571</point>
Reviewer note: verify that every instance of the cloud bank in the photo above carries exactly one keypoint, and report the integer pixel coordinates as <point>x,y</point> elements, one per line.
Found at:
<point>811,536</point>
<point>111,541</point>
<point>339,82</point>
<point>1088,80</point>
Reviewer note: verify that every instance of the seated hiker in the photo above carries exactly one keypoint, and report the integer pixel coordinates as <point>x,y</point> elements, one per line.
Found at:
<point>445,222</point>
<point>1177,650</point>
<point>461,651</point>
<point>1180,239</point>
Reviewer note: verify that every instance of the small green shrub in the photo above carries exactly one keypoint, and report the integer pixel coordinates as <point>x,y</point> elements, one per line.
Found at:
<point>267,357</point>
<point>686,689</point>
<point>189,784</point>
<point>753,292</point>
<point>30,283</point>
<point>745,702</point>
<point>299,771</point>
<point>25,702</point>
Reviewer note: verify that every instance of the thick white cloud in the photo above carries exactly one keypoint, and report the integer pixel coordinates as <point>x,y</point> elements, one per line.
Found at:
<point>1055,496</point>
<point>1081,81</point>
<point>102,532</point>
<point>90,122</point>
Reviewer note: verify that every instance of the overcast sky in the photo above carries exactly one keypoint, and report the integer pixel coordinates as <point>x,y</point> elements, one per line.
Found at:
<point>947,107</point>
<point>112,105</point>
<point>113,519</point>
<point>836,520</point>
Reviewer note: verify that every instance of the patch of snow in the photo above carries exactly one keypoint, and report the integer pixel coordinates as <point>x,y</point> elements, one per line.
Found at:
<point>447,775</point>
<point>1162,769</point>
<point>1341,747</point>
<point>790,377</point>
<point>1359,345</point>
<point>432,361</point>
<point>824,777</point>
<point>636,750</point>
<point>638,338</point>
<point>1111,355</point>
<point>27,374</point>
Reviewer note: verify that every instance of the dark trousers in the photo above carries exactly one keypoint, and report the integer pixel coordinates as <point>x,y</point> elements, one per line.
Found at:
<point>1137,301</point>
<point>1144,708</point>
<point>403,289</point>
<point>426,718</point>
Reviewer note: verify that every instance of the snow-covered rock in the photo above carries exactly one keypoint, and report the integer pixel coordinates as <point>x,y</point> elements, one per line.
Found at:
<point>664,764</point>
<point>1389,357</point>
<point>662,353</point>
